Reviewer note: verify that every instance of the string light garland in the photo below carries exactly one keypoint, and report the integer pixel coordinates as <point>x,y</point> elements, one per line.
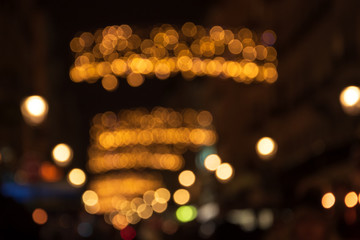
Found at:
<point>192,50</point>
<point>123,145</point>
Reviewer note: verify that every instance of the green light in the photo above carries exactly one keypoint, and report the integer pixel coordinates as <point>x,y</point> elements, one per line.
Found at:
<point>186,213</point>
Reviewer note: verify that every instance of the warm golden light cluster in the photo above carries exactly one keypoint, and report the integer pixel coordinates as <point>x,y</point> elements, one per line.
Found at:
<point>124,145</point>
<point>192,50</point>
<point>123,209</point>
<point>142,139</point>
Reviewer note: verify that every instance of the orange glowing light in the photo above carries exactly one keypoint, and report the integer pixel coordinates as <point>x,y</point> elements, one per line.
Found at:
<point>328,200</point>
<point>49,172</point>
<point>351,199</point>
<point>39,216</point>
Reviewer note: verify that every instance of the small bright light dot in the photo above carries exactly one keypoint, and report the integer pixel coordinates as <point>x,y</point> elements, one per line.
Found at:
<point>34,109</point>
<point>181,196</point>
<point>90,198</point>
<point>350,96</point>
<point>187,178</point>
<point>39,216</point>
<point>351,199</point>
<point>211,162</point>
<point>328,200</point>
<point>224,172</point>
<point>62,154</point>
<point>266,148</point>
<point>76,177</point>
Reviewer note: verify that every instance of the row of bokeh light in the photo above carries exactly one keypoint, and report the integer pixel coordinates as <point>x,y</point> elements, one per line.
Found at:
<point>351,199</point>
<point>192,50</point>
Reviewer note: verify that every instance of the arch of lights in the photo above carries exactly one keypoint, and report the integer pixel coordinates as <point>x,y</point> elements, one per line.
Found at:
<point>192,50</point>
<point>123,145</point>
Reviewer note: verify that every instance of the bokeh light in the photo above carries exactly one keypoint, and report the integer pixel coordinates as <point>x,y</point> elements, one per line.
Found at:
<point>186,213</point>
<point>328,200</point>
<point>266,148</point>
<point>39,216</point>
<point>351,199</point>
<point>186,178</point>
<point>265,218</point>
<point>208,212</point>
<point>224,172</point>
<point>162,195</point>
<point>90,198</point>
<point>49,172</point>
<point>117,51</point>
<point>169,226</point>
<point>181,196</point>
<point>62,154</point>
<point>350,100</point>
<point>212,162</point>
<point>85,229</point>
<point>34,109</point>
<point>350,96</point>
<point>76,177</point>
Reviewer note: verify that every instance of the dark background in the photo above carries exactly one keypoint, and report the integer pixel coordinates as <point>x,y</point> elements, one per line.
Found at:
<point>318,55</point>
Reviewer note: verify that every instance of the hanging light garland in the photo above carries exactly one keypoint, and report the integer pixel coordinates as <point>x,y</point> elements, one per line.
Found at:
<point>192,50</point>
<point>123,145</point>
